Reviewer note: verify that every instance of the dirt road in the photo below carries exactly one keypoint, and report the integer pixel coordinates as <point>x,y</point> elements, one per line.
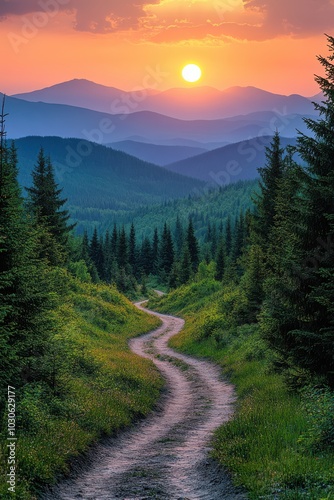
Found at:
<point>166,456</point>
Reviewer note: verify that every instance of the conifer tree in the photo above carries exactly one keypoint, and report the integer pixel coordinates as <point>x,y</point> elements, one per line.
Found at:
<point>284,294</point>
<point>133,250</point>
<point>208,237</point>
<point>228,236</point>
<point>155,252</point>
<point>265,200</point>
<point>186,267</point>
<point>179,236</point>
<point>192,245</point>
<point>238,239</point>
<point>114,242</point>
<point>46,205</point>
<point>85,248</point>
<point>146,257</point>
<point>96,255</point>
<point>122,250</point>
<point>107,257</point>
<point>214,240</point>
<point>252,283</point>
<point>166,252</point>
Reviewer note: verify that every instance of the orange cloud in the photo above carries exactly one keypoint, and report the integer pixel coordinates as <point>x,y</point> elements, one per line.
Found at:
<point>172,21</point>
<point>256,20</point>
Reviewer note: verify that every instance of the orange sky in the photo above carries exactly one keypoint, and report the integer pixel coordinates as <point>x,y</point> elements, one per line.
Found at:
<point>270,44</point>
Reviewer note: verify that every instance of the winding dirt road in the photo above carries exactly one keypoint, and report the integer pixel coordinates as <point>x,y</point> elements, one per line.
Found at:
<point>166,456</point>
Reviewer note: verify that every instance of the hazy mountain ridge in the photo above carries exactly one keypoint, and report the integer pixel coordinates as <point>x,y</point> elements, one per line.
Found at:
<point>192,103</point>
<point>29,118</point>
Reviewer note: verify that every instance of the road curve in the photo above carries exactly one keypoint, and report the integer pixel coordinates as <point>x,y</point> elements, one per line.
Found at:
<point>166,456</point>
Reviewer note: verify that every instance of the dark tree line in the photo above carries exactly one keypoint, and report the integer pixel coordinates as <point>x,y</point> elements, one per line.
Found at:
<point>172,254</point>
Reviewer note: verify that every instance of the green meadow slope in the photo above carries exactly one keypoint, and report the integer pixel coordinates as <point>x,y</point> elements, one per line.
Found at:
<point>100,386</point>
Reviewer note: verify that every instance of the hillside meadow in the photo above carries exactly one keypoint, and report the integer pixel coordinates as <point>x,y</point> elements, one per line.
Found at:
<point>99,387</point>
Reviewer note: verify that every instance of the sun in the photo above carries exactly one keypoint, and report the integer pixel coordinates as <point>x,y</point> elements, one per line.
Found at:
<point>191,73</point>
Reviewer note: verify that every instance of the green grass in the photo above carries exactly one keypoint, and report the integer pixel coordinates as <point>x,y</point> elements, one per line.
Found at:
<point>100,387</point>
<point>266,445</point>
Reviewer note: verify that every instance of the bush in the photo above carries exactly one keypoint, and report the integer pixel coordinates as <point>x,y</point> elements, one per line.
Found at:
<point>319,406</point>
<point>210,323</point>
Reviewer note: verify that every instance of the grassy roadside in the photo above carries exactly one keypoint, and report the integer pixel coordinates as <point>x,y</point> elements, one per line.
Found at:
<point>99,387</point>
<point>272,446</point>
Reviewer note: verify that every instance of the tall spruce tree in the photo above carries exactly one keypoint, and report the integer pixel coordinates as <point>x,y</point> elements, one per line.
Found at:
<point>239,237</point>
<point>192,245</point>
<point>133,251</point>
<point>45,203</point>
<point>228,236</point>
<point>85,248</point>
<point>284,285</point>
<point>96,256</point>
<point>155,252</point>
<point>166,252</point>
<point>251,283</point>
<point>265,200</point>
<point>186,269</point>
<point>107,257</point>
<point>179,236</point>
<point>146,257</point>
<point>122,250</point>
<point>114,242</point>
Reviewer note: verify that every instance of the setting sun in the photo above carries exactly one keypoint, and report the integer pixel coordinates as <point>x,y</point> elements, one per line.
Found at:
<point>191,73</point>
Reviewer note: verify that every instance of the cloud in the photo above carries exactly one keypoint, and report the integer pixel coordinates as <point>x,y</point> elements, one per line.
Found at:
<point>98,16</point>
<point>176,20</point>
<point>252,20</point>
<point>298,18</point>
<point>108,15</point>
<point>18,8</point>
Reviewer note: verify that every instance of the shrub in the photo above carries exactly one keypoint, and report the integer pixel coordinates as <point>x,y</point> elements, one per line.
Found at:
<point>319,406</point>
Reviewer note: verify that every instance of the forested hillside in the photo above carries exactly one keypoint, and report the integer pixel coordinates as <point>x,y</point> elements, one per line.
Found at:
<point>204,206</point>
<point>97,177</point>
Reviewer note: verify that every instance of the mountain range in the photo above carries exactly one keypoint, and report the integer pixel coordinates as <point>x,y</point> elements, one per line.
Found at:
<point>30,118</point>
<point>225,147</point>
<point>194,103</point>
